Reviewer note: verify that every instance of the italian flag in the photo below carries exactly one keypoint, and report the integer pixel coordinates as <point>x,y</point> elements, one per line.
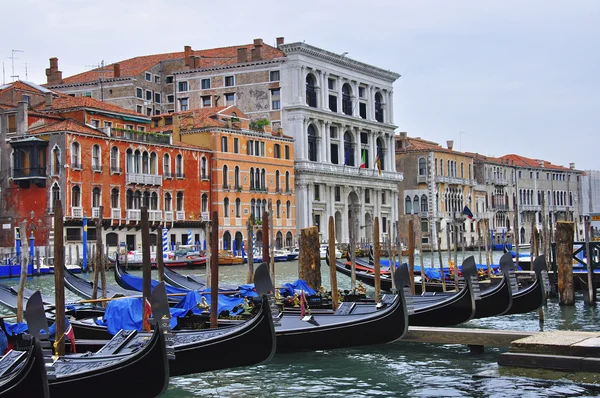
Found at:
<point>363,163</point>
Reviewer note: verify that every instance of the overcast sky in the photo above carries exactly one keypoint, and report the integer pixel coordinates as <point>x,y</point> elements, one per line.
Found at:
<point>512,76</point>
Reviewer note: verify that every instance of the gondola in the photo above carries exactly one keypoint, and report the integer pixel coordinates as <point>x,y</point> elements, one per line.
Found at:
<point>191,282</point>
<point>23,373</point>
<point>128,356</point>
<point>534,296</point>
<point>83,288</point>
<point>352,324</point>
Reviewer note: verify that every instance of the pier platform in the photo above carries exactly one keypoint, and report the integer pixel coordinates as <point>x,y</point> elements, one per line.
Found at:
<point>556,350</point>
<point>466,336</point>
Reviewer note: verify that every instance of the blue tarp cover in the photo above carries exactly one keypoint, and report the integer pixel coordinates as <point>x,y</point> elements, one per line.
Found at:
<point>14,329</point>
<point>191,300</point>
<point>288,289</point>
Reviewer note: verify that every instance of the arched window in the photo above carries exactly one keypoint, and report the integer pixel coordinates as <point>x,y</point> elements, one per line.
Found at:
<point>238,207</point>
<point>137,200</point>
<point>278,211</point>
<point>288,209</point>
<point>167,165</point>
<point>168,200</point>
<point>96,158</point>
<point>287,181</point>
<point>277,182</point>
<point>252,178</point>
<point>279,240</point>
<point>129,199</point>
<point>226,207</point>
<point>153,164</point>
<point>257,179</point>
<point>378,107</point>
<point>422,166</point>
<point>204,202</point>
<point>179,166</point>
<point>154,201</point>
<point>55,196</point>
<point>145,163</point>
<point>203,168</point>
<point>424,203</point>
<point>76,196</point>
<point>311,91</point>
<point>129,161</point>
<point>263,179</point>
<point>380,161</point>
<point>348,149</point>
<point>56,161</point>
<point>237,178</point>
<point>75,156</point>
<point>347,99</point>
<point>114,198</point>
<point>312,143</point>
<point>225,177</point>
<point>146,199</point>
<point>226,240</point>
<point>114,160</point>
<point>179,201</point>
<point>96,197</point>
<point>407,205</point>
<point>137,162</point>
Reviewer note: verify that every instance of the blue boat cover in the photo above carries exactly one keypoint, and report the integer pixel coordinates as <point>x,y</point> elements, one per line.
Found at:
<point>247,290</point>
<point>14,329</point>
<point>191,300</point>
<point>288,289</point>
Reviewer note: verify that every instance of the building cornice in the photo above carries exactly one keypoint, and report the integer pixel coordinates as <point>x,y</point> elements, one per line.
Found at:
<point>234,131</point>
<point>91,82</point>
<point>306,112</point>
<point>234,66</point>
<point>340,60</point>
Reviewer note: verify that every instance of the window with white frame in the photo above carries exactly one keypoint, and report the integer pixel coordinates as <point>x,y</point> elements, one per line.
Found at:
<point>206,101</point>
<point>96,162</point>
<point>148,76</point>
<point>275,99</point>
<point>204,202</point>
<point>184,104</point>
<point>274,76</point>
<point>114,198</point>
<point>182,86</point>
<point>139,92</point>
<point>156,79</point>
<point>75,156</point>
<point>180,201</point>
<point>167,165</point>
<point>55,196</point>
<point>96,197</point>
<point>168,200</point>
<point>205,84</point>
<point>203,170</point>
<point>157,98</point>
<point>229,99</point>
<point>76,196</point>
<point>55,161</point>
<point>179,166</point>
<point>229,81</point>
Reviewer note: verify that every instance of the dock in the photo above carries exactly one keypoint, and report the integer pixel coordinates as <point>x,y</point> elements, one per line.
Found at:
<point>467,336</point>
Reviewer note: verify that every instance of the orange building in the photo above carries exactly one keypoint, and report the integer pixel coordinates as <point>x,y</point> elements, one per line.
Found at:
<point>251,165</point>
<point>93,155</point>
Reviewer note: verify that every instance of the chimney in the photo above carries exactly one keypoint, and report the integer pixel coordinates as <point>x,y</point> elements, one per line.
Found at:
<point>187,51</point>
<point>117,70</point>
<point>22,117</point>
<point>196,61</point>
<point>242,55</point>
<point>53,75</point>
<point>572,166</point>
<point>541,163</point>
<point>279,41</point>
<point>280,130</point>
<point>49,100</point>
<point>450,144</point>
<point>403,135</point>
<point>257,54</point>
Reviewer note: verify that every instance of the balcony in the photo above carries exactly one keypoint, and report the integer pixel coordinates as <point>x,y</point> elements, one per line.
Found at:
<point>141,136</point>
<point>226,221</point>
<point>226,187</point>
<point>499,207</point>
<point>180,215</point>
<point>134,214</point>
<point>339,170</point>
<point>204,216</point>
<point>144,179</point>
<point>77,212</point>
<point>288,222</point>
<point>115,213</point>
<point>97,168</point>
<point>29,172</point>
<point>498,181</point>
<point>238,222</point>
<point>154,215</point>
<point>95,212</point>
<point>530,207</point>
<point>422,178</point>
<point>168,216</point>
<point>278,222</point>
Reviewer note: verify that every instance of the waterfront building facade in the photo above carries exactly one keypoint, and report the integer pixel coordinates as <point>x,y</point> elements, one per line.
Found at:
<point>438,183</point>
<point>94,155</point>
<point>252,167</point>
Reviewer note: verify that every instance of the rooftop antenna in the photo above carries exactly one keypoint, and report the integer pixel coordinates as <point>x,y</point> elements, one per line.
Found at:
<point>12,57</point>
<point>26,76</point>
<point>100,68</point>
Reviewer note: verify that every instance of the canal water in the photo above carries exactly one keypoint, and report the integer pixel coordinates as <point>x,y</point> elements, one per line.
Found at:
<point>392,370</point>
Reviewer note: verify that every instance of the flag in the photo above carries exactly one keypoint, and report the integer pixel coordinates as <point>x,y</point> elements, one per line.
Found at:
<point>147,311</point>
<point>346,157</point>
<point>378,162</point>
<point>467,213</point>
<point>70,335</point>
<point>363,161</point>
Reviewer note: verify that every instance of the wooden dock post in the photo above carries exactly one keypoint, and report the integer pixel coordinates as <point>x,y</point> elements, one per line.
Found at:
<point>146,265</point>
<point>160,262</point>
<point>479,241</point>
<point>98,266</point>
<point>422,264</point>
<point>591,293</point>
<point>214,270</point>
<point>393,257</point>
<point>102,262</point>
<point>411,255</point>
<point>455,230</point>
<point>59,280</point>
<point>271,243</point>
<point>438,239</point>
<point>250,246</point>
<point>377,259</point>
<point>564,260</point>
<point>23,276</point>
<point>332,260</point>
<point>265,238</point>
<point>309,264</point>
<point>487,245</point>
<point>352,247</point>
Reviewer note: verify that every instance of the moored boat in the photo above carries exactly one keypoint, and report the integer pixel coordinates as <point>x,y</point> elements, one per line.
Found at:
<point>23,373</point>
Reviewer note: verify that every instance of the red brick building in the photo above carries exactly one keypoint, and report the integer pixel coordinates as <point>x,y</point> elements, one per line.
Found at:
<point>90,154</point>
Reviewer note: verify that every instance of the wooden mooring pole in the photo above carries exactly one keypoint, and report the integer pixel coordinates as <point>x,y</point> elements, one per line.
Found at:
<point>309,264</point>
<point>591,293</point>
<point>59,280</point>
<point>332,260</point>
<point>564,260</point>
<point>23,276</point>
<point>411,255</point>
<point>146,265</point>
<point>160,263</point>
<point>377,259</point>
<point>250,247</point>
<point>99,249</point>
<point>214,270</point>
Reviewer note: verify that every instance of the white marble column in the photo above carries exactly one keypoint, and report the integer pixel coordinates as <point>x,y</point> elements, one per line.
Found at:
<point>311,196</point>
<point>392,153</point>
<point>357,148</point>
<point>323,142</point>
<point>325,90</point>
<point>391,107</point>
<point>361,216</point>
<point>355,107</point>
<point>301,206</point>
<point>340,83</point>
<point>327,145</point>
<point>341,153</point>
<point>303,140</point>
<point>302,85</point>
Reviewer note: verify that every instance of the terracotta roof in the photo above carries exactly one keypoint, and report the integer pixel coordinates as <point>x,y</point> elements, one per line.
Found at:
<point>420,145</point>
<point>24,86</point>
<point>200,118</point>
<point>65,125</point>
<point>522,161</point>
<point>208,59</point>
<point>67,102</point>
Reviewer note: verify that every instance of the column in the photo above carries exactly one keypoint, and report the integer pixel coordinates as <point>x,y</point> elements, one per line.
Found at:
<point>341,153</point>
<point>357,148</point>
<point>303,140</point>
<point>391,107</point>
<point>323,147</point>
<point>309,202</point>
<point>302,86</point>
<point>361,216</point>
<point>355,107</point>
<point>392,153</point>
<point>370,104</point>
<point>301,205</point>
<point>340,83</point>
<point>372,150</point>
<point>325,90</point>
<point>327,145</point>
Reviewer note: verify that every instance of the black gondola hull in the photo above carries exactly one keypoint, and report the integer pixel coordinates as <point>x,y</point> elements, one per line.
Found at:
<point>29,379</point>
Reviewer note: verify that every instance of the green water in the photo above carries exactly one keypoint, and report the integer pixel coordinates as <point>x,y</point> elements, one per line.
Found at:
<point>392,370</point>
